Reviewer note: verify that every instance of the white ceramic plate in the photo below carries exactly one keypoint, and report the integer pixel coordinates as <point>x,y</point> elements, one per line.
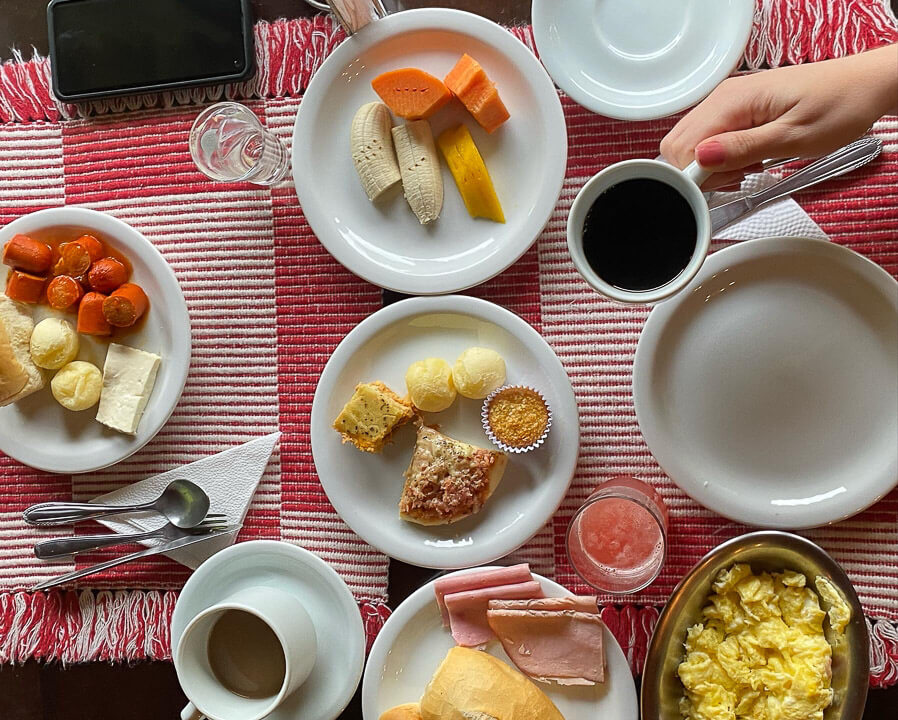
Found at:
<point>413,642</point>
<point>383,242</point>
<point>640,59</point>
<point>768,388</point>
<point>38,431</point>
<point>330,604</point>
<point>365,488</point>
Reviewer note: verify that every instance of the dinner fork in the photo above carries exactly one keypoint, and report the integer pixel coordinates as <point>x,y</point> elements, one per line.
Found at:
<point>82,543</point>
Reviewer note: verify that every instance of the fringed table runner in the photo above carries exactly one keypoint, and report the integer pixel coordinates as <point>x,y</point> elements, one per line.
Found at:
<point>268,305</point>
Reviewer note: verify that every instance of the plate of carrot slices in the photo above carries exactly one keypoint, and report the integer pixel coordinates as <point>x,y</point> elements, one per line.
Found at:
<point>429,151</point>
<point>93,320</point>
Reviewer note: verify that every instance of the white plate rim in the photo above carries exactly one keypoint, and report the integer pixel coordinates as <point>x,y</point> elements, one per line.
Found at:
<point>179,364</point>
<point>366,330</point>
<point>423,19</point>
<point>415,603</point>
<point>558,71</point>
<point>350,607</point>
<point>796,517</point>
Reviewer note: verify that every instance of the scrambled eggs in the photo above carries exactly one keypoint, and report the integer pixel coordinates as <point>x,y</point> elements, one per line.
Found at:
<point>760,652</point>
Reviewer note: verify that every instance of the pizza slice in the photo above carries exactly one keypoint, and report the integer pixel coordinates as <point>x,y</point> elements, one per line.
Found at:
<point>447,479</point>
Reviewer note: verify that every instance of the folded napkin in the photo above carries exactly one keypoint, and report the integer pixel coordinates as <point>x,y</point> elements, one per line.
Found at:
<point>229,478</point>
<point>783,218</point>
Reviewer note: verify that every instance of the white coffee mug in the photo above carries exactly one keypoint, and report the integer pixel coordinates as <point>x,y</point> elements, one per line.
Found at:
<point>686,182</point>
<point>289,621</point>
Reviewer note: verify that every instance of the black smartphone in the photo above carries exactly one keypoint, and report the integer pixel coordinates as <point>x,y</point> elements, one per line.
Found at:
<point>100,48</point>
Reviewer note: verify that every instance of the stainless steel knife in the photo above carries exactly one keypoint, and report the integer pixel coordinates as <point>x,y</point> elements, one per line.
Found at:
<point>156,549</point>
<point>841,161</point>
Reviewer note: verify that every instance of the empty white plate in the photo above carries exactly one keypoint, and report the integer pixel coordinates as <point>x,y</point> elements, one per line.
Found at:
<point>768,388</point>
<point>640,59</point>
<point>365,488</point>
<point>37,430</point>
<point>383,242</point>
<point>413,642</point>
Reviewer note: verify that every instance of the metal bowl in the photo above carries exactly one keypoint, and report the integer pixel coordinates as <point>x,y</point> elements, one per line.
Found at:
<point>772,551</point>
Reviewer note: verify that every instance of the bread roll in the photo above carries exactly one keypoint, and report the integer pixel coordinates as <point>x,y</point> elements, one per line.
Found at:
<point>54,343</point>
<point>15,352</point>
<point>409,711</point>
<point>470,684</point>
<point>77,385</point>
<point>430,384</point>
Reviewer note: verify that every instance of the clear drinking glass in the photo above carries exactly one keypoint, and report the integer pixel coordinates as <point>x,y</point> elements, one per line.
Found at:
<point>229,144</point>
<point>617,540</point>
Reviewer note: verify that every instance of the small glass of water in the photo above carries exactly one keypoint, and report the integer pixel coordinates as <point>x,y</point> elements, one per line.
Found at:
<point>229,144</point>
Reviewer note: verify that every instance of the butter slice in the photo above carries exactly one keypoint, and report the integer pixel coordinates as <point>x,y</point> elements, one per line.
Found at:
<point>128,378</point>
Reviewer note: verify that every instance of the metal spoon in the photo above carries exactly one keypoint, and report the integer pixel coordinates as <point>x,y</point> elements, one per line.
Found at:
<point>182,502</point>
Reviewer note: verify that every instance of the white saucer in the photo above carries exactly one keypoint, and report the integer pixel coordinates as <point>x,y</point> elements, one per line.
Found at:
<point>768,388</point>
<point>413,642</point>
<point>365,488</point>
<point>526,158</point>
<point>38,431</point>
<point>330,604</point>
<point>640,59</point>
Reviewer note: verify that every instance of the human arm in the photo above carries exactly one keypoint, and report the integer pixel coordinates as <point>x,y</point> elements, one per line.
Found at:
<point>798,111</point>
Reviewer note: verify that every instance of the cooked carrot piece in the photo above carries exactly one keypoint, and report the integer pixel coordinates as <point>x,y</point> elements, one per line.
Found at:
<point>64,292</point>
<point>91,320</point>
<point>93,246</point>
<point>470,84</point>
<point>106,275</point>
<point>411,93</point>
<point>24,287</point>
<point>25,253</point>
<point>125,306</point>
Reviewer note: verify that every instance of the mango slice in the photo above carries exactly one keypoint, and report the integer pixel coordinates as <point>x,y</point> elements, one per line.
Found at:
<point>470,173</point>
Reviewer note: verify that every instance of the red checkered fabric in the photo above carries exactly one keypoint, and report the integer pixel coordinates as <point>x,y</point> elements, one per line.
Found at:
<point>268,305</point>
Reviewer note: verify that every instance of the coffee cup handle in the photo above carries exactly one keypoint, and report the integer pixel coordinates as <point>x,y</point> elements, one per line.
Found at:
<point>190,712</point>
<point>697,173</point>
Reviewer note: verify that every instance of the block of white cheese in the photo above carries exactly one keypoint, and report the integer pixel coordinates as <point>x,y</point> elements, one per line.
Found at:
<point>128,378</point>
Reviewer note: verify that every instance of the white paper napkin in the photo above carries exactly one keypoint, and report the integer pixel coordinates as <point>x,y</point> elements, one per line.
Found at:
<point>229,478</point>
<point>783,217</point>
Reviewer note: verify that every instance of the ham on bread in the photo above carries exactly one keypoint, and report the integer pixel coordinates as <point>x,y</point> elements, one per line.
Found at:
<point>477,579</point>
<point>553,640</point>
<point>467,610</point>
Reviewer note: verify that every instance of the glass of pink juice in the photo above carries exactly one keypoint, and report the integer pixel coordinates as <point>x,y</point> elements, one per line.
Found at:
<point>617,540</point>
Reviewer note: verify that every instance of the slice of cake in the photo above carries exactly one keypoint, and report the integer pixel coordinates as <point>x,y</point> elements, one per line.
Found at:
<point>447,479</point>
<point>371,415</point>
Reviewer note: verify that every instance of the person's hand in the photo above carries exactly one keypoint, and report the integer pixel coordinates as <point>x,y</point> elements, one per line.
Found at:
<point>800,111</point>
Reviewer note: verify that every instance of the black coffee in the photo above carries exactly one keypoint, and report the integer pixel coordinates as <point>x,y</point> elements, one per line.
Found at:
<point>639,234</point>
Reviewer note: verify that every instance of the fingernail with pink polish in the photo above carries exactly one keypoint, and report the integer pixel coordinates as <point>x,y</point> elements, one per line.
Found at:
<point>710,154</point>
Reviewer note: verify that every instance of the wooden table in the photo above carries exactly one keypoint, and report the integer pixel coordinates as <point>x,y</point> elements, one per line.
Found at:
<point>150,690</point>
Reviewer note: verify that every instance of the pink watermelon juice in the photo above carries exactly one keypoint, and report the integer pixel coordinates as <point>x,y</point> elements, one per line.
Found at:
<point>616,540</point>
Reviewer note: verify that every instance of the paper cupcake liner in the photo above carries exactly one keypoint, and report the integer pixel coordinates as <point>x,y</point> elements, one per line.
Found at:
<point>489,431</point>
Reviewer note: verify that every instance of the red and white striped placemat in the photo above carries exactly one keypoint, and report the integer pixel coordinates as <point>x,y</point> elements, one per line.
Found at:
<point>268,305</point>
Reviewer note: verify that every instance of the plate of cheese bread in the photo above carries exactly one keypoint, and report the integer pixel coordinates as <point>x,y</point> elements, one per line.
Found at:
<point>498,642</point>
<point>94,340</point>
<point>445,431</point>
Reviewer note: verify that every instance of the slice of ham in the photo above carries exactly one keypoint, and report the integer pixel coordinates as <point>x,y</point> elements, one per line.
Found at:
<point>478,579</point>
<point>467,610</point>
<point>581,603</point>
<point>562,645</point>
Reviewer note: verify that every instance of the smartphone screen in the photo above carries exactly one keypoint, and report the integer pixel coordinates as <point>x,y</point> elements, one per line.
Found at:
<point>108,47</point>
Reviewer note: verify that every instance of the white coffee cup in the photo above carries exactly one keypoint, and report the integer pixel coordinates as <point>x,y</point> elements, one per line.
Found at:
<point>685,181</point>
<point>289,621</point>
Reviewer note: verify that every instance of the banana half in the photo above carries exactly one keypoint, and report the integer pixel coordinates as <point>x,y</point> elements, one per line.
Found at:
<point>419,166</point>
<point>372,149</point>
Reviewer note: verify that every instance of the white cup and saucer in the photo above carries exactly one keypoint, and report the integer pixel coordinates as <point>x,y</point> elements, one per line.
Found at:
<point>266,629</point>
